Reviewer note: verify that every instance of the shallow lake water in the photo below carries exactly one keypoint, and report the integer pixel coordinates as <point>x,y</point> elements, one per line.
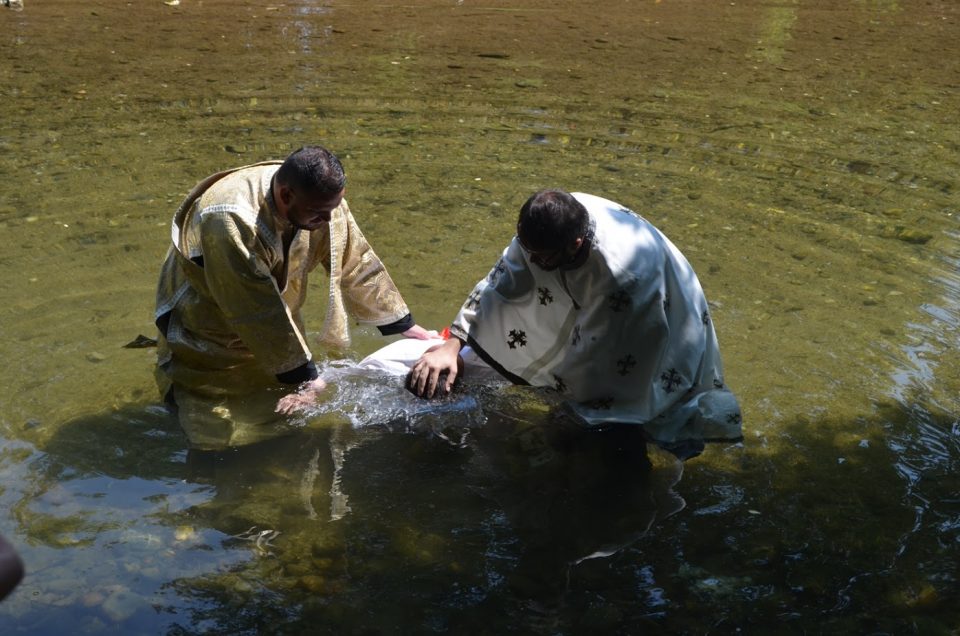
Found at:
<point>804,155</point>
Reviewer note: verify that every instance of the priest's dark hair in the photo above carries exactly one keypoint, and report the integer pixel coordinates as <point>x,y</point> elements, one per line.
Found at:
<point>312,169</point>
<point>552,219</point>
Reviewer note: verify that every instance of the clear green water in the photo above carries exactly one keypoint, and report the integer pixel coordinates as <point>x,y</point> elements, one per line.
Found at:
<point>804,156</point>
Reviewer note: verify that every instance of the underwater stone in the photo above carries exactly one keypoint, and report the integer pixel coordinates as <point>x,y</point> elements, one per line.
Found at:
<point>313,584</point>
<point>122,604</point>
<point>922,596</point>
<point>529,83</point>
<point>905,234</point>
<point>915,237</point>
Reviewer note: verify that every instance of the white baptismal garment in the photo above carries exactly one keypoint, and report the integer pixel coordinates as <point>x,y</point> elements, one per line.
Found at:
<point>626,336</point>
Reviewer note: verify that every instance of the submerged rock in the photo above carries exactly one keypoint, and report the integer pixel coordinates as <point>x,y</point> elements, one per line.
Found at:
<point>914,236</point>
<point>906,234</point>
<point>122,604</point>
<point>917,597</point>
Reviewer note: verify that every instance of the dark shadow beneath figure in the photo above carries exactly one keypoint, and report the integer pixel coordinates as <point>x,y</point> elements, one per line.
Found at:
<point>142,441</point>
<point>571,495</point>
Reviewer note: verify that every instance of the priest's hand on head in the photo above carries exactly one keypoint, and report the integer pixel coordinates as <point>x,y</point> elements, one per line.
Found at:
<point>436,370</point>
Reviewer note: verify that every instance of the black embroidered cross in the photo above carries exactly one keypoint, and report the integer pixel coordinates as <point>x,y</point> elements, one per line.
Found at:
<point>619,300</point>
<point>559,384</point>
<point>734,418</point>
<point>705,317</point>
<point>625,364</point>
<point>576,335</point>
<point>517,337</point>
<point>544,295</point>
<point>473,300</point>
<point>600,404</point>
<point>495,273</point>
<point>666,301</point>
<point>671,380</point>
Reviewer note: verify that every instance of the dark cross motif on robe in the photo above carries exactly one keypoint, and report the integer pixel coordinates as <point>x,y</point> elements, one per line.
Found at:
<point>600,404</point>
<point>559,384</point>
<point>518,337</point>
<point>543,293</point>
<point>671,380</point>
<point>705,317</point>
<point>625,364</point>
<point>473,300</point>
<point>619,300</point>
<point>576,335</point>
<point>734,418</point>
<point>495,273</point>
<point>666,301</point>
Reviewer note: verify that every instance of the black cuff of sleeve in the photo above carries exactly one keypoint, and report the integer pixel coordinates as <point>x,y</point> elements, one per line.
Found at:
<point>397,327</point>
<point>304,373</point>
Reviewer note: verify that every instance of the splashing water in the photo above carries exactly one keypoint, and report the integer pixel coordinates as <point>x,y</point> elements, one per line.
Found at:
<point>368,397</point>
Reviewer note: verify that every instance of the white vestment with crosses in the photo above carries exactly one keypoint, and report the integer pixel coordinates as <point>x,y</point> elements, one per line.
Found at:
<point>627,336</point>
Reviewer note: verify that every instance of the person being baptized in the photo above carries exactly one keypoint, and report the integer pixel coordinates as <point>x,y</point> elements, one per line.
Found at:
<point>396,360</point>
<point>399,357</point>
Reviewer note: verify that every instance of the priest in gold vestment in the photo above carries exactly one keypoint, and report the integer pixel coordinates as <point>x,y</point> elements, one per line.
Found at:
<point>232,350</point>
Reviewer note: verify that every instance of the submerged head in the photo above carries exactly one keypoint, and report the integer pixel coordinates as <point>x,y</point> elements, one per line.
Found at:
<point>441,390</point>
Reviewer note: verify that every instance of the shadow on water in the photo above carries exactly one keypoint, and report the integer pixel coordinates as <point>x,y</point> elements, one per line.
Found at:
<point>823,534</point>
<point>132,441</point>
<point>443,527</point>
<point>514,526</point>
